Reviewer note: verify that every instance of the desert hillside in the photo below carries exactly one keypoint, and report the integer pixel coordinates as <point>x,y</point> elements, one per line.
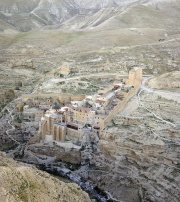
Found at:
<point>20,182</point>
<point>77,14</point>
<point>170,80</point>
<point>59,58</point>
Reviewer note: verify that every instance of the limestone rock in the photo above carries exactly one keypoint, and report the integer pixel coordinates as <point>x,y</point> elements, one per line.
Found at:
<point>20,183</point>
<point>166,81</point>
<point>65,69</point>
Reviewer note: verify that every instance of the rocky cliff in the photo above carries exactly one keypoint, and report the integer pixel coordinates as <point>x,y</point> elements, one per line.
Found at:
<point>137,157</point>
<point>20,182</point>
<point>168,81</point>
<point>139,151</point>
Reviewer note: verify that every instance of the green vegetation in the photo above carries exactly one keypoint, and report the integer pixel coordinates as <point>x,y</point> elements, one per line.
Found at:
<point>84,79</point>
<point>80,90</point>
<point>73,36</point>
<point>62,82</point>
<point>178,165</point>
<point>22,192</point>
<point>19,37</point>
<point>18,120</point>
<point>169,120</point>
<point>75,191</point>
<point>33,185</point>
<point>168,178</point>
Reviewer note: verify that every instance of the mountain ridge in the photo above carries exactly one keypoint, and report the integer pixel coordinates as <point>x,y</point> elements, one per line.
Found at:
<point>25,16</point>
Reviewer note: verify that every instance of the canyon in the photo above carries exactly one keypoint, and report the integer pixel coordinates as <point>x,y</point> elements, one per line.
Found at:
<point>72,50</point>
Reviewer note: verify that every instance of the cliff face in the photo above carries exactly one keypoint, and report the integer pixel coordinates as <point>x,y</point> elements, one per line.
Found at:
<point>19,182</point>
<point>139,152</point>
<point>170,80</point>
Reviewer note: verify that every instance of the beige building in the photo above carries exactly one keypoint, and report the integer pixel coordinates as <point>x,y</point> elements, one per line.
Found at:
<point>83,117</point>
<point>135,76</point>
<point>32,113</point>
<point>52,124</point>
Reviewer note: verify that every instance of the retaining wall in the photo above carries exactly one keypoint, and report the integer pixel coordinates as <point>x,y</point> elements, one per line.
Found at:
<point>61,97</point>
<point>120,105</point>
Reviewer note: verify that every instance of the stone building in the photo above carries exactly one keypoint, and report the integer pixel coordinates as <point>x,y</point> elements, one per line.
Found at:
<point>68,124</point>
<point>19,106</point>
<point>32,113</point>
<point>135,76</point>
<point>82,118</point>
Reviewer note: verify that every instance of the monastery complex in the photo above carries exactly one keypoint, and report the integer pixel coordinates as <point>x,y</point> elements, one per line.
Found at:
<point>78,119</point>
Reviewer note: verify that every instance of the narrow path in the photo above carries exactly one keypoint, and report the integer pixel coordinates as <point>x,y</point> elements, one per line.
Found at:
<point>144,88</point>
<point>142,104</point>
<point>111,198</point>
<point>12,127</point>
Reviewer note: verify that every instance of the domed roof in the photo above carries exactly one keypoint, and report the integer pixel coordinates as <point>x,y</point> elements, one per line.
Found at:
<point>56,106</point>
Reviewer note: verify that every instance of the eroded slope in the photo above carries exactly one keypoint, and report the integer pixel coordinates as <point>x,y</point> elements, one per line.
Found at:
<point>19,182</point>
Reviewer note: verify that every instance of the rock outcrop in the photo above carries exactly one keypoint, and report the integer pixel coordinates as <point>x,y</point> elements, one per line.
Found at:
<point>170,80</point>
<point>140,162</point>
<point>70,155</point>
<point>20,183</point>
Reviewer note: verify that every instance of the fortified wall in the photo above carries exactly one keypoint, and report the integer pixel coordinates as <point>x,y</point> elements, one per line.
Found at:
<point>60,97</point>
<point>106,90</point>
<point>135,79</point>
<point>86,115</point>
<point>78,122</point>
<point>53,128</point>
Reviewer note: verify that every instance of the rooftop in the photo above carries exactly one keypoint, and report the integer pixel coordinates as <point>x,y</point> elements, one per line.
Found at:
<point>72,124</point>
<point>82,109</point>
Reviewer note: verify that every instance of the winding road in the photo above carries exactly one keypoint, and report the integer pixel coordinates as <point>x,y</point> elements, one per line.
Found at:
<point>11,152</point>
<point>145,88</point>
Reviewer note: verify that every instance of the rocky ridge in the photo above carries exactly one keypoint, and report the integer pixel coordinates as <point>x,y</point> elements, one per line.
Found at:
<point>139,151</point>
<point>170,80</point>
<point>20,182</point>
<point>138,156</point>
<point>75,14</point>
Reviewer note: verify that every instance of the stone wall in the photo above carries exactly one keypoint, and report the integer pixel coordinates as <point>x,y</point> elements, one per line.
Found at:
<point>135,76</point>
<point>85,116</point>
<point>135,79</point>
<point>106,90</point>
<point>59,133</point>
<point>120,105</point>
<point>43,129</point>
<point>73,133</point>
<point>81,116</point>
<point>61,97</point>
<point>98,119</point>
